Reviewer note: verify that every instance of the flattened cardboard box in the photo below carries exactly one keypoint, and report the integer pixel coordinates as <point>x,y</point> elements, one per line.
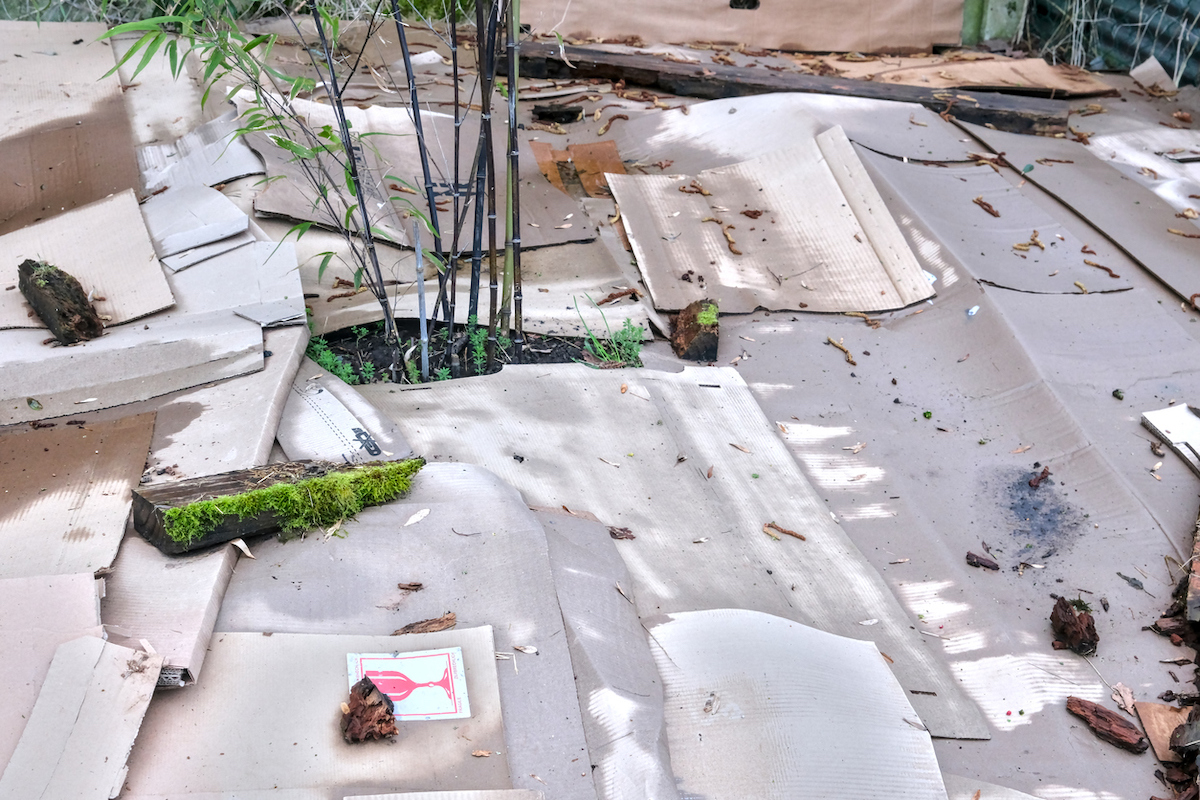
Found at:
<point>65,138</point>
<point>105,246</point>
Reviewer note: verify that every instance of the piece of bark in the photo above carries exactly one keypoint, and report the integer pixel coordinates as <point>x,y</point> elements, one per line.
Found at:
<point>1076,631</point>
<point>561,114</point>
<point>59,301</point>
<point>713,81</point>
<point>369,714</point>
<point>442,623</point>
<point>620,533</point>
<point>1108,725</point>
<point>1185,739</point>
<point>1193,585</point>
<point>690,339</point>
<point>981,561</point>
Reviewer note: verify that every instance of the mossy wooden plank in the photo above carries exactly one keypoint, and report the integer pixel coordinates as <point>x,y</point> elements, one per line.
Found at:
<point>289,497</point>
<point>714,81</point>
<point>59,301</point>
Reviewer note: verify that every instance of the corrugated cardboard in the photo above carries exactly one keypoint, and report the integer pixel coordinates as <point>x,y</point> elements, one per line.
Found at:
<point>909,26</point>
<point>491,794</point>
<point>131,363</point>
<point>280,695</point>
<point>209,155</point>
<point>969,70</point>
<point>544,211</point>
<point>67,495</point>
<point>84,723</point>
<point>960,788</point>
<point>205,251</point>
<point>258,282</point>
<point>1179,428</point>
<point>169,601</point>
<point>40,613</point>
<point>229,425</point>
<point>325,419</point>
<point>810,228</point>
<point>105,246</point>
<point>65,140</point>
<point>619,687</point>
<point>943,199</point>
<point>346,583</point>
<point>760,706</point>
<point>1129,214</point>
<point>189,217</point>
<point>723,132</point>
<point>669,504</point>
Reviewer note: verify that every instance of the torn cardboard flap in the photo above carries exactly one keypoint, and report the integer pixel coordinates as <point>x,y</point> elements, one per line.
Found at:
<point>190,217</point>
<point>105,246</point>
<point>797,228</point>
<point>84,723</point>
<point>1179,428</point>
<point>211,154</point>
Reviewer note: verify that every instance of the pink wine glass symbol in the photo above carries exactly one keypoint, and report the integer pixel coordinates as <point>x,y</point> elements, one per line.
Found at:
<point>398,686</point>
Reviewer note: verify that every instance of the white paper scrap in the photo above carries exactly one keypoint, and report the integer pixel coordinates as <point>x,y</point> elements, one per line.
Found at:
<point>425,685</point>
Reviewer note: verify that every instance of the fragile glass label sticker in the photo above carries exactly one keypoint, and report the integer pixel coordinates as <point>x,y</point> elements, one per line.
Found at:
<point>425,685</point>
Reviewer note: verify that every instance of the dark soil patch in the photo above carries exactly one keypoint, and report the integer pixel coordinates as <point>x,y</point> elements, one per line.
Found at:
<point>369,358</point>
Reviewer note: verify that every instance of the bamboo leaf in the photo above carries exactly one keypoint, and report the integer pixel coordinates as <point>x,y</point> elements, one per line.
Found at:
<point>287,144</point>
<point>300,228</point>
<point>324,265</point>
<point>139,44</point>
<point>346,222</point>
<point>172,50</point>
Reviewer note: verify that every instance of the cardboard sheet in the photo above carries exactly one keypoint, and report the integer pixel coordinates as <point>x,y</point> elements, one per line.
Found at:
<point>960,788</point>
<point>209,155</point>
<point>84,723</point>
<point>228,425</point>
<point>493,794</point>
<point>68,495</point>
<point>1178,427</point>
<point>810,228</point>
<point>1129,214</point>
<point>544,211</point>
<point>760,706</point>
<point>258,282</point>
<point>554,279</point>
<point>134,362</point>
<point>584,462</point>
<point>65,140</point>
<point>105,246</point>
<point>943,198</point>
<point>1160,720</point>
<point>40,613</point>
<point>190,217</point>
<point>723,132</point>
<point>349,585</point>
<point>169,601</point>
<point>910,26</point>
<point>326,419</point>
<point>968,70</point>
<point>211,737</point>
<point>619,687</point>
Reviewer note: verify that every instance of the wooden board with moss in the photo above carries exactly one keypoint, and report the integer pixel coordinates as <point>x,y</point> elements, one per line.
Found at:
<point>285,499</point>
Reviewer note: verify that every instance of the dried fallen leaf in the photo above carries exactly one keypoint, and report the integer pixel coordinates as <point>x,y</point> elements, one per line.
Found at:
<point>857,448</point>
<point>767,530</point>
<point>1124,697</point>
<point>899,561</point>
<point>710,471</point>
<point>417,517</point>
<point>776,527</point>
<point>620,533</point>
<point>738,447</point>
<point>442,623</point>
<point>481,753</point>
<point>858,477</point>
<point>1188,213</point>
<point>241,545</point>
<point>624,388</point>
<point>526,648</point>
<point>1022,448</point>
<point>1178,233</point>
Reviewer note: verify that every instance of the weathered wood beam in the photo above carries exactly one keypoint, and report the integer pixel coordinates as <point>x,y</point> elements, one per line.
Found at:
<point>713,81</point>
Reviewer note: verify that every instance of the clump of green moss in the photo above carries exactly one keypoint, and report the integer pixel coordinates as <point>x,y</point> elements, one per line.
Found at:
<point>708,315</point>
<point>299,506</point>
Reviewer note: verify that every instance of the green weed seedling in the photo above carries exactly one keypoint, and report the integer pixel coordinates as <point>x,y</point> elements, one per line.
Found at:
<point>622,347</point>
<point>318,350</point>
